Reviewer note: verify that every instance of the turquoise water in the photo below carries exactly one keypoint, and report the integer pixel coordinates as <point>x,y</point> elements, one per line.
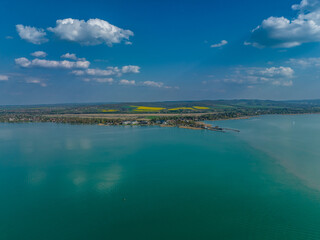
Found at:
<point>95,182</point>
<point>292,141</point>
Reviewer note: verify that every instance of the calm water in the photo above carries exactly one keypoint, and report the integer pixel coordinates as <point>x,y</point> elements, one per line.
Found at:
<point>95,182</point>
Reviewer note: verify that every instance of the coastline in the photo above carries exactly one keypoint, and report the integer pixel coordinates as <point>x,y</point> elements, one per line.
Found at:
<point>185,121</point>
<point>275,114</point>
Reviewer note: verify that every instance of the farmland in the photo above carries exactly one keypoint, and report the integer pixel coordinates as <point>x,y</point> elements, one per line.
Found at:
<point>186,114</point>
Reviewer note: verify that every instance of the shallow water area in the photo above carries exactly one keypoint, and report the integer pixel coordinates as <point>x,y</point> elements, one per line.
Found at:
<point>98,182</point>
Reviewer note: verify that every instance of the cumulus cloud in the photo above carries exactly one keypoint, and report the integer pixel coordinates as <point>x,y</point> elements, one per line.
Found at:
<point>153,84</point>
<point>277,72</point>
<point>306,5</point>
<point>78,72</point>
<point>304,62</point>
<point>280,32</point>
<point>222,43</point>
<point>109,71</point>
<point>103,72</point>
<point>24,62</point>
<point>99,80</point>
<point>72,56</point>
<point>127,82</point>
<point>4,78</point>
<point>36,81</point>
<point>281,76</point>
<point>39,54</point>
<point>91,32</point>
<point>124,82</point>
<point>69,56</point>
<point>130,69</point>
<point>103,80</point>
<point>32,34</point>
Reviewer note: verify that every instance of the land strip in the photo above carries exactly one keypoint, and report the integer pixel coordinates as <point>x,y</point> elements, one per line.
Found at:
<point>188,115</point>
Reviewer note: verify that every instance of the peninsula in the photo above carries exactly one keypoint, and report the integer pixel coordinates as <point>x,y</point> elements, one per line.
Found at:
<point>182,114</point>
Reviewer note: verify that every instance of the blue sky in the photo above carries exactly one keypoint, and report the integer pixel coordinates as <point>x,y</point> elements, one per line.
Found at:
<point>112,51</point>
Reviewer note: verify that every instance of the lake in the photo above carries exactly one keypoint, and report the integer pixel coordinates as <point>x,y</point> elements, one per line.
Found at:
<point>98,182</point>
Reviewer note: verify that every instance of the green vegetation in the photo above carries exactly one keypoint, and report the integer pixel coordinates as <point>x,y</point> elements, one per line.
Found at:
<point>188,114</point>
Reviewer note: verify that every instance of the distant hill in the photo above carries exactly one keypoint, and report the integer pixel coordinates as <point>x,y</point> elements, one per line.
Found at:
<point>169,107</point>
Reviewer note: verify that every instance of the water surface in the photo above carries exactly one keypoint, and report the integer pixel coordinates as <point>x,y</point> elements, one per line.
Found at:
<point>292,141</point>
<point>95,182</point>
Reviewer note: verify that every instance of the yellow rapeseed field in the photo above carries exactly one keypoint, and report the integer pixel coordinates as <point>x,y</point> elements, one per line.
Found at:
<point>181,108</point>
<point>110,110</point>
<point>157,109</point>
<point>147,109</point>
<point>201,108</point>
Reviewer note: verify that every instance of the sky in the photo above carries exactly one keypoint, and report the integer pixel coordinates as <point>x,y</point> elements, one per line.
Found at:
<point>168,50</point>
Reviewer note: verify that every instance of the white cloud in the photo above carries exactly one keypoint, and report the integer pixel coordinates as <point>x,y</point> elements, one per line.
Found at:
<point>72,56</point>
<point>130,69</point>
<point>4,78</point>
<point>91,32</point>
<point>222,43</point>
<point>39,54</point>
<point>280,76</point>
<point>305,62</point>
<point>99,80</point>
<point>127,82</point>
<point>69,56</point>
<point>283,83</point>
<point>101,72</point>
<point>24,62</point>
<point>153,84</point>
<point>103,80</point>
<point>305,5</point>
<point>145,83</point>
<point>280,32</point>
<point>109,71</point>
<point>36,81</point>
<point>32,34</point>
<point>78,72</point>
<point>277,72</point>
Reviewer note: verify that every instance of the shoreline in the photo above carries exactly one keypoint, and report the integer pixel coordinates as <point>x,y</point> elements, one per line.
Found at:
<point>275,114</point>
<point>183,122</point>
